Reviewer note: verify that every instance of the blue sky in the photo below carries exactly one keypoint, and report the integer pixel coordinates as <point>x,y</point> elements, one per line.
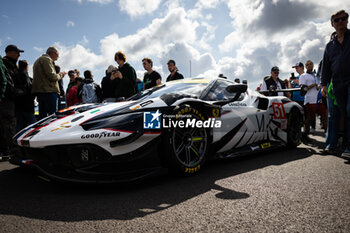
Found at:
<point>241,39</point>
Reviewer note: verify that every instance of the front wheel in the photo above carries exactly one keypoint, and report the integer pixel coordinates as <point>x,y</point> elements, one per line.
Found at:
<point>186,147</point>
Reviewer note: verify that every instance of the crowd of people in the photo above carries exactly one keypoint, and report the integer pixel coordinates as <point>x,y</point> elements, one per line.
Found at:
<point>18,91</point>
<point>325,93</point>
<point>330,89</point>
<point>310,97</point>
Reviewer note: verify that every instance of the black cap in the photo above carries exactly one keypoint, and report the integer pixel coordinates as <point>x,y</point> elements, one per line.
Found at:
<point>171,62</point>
<point>299,64</point>
<point>14,48</point>
<point>275,68</point>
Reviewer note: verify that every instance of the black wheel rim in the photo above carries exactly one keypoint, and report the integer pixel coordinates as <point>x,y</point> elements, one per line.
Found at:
<point>189,145</point>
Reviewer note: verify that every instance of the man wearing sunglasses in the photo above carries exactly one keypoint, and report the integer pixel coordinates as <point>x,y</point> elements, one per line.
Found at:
<point>336,68</point>
<point>273,82</point>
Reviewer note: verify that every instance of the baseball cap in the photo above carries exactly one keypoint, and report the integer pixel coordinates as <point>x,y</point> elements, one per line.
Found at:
<point>275,68</point>
<point>299,64</point>
<point>171,62</point>
<point>14,48</point>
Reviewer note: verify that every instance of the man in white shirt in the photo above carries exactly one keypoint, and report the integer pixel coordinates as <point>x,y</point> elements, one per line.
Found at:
<point>308,79</point>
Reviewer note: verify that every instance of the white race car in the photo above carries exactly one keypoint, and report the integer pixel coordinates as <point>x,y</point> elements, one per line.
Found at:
<point>178,125</point>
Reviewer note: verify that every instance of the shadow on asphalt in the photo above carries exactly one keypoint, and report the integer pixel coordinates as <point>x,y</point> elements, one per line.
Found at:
<point>23,194</point>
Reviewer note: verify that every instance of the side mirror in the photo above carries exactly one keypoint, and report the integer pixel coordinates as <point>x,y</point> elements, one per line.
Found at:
<point>236,88</point>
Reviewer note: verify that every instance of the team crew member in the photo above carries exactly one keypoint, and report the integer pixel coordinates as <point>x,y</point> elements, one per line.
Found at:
<point>274,81</point>
<point>151,78</point>
<point>174,74</point>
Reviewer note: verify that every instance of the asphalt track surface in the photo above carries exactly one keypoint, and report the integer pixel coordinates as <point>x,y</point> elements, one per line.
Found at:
<point>297,190</point>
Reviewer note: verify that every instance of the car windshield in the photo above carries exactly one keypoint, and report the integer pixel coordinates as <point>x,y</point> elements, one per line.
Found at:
<point>190,87</point>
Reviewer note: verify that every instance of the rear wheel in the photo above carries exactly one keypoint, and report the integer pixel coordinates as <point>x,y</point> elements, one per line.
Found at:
<point>186,147</point>
<point>294,128</point>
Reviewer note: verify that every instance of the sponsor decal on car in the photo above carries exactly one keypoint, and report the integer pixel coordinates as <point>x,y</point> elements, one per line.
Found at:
<point>192,170</point>
<point>135,107</point>
<point>95,111</point>
<point>278,111</point>
<point>216,112</point>
<point>62,126</point>
<point>100,135</point>
<point>265,145</point>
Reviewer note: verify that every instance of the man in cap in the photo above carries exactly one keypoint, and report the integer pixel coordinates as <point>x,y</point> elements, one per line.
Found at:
<point>174,74</point>
<point>273,82</point>
<point>7,104</point>
<point>297,97</point>
<point>11,58</point>
<point>45,82</point>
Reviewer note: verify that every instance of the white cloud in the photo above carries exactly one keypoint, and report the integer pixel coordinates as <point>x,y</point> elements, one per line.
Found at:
<point>207,4</point>
<point>101,1</point>
<point>279,32</point>
<point>84,41</point>
<point>97,1</point>
<point>264,34</point>
<point>188,60</point>
<point>136,8</point>
<point>40,50</point>
<point>78,57</point>
<point>70,24</point>
<point>150,41</point>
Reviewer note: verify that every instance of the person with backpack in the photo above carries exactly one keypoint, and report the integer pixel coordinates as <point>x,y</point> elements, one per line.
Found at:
<point>89,91</point>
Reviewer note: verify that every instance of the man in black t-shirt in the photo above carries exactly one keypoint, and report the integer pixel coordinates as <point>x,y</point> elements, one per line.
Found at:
<point>174,75</point>
<point>151,78</point>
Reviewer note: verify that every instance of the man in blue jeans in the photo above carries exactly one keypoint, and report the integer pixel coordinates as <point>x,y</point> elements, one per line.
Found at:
<point>45,82</point>
<point>336,60</point>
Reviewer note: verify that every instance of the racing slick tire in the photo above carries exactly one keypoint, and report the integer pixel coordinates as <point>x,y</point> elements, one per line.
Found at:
<point>186,148</point>
<point>294,128</point>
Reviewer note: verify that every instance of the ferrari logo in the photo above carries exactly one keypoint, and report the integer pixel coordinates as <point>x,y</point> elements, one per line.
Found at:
<point>216,112</point>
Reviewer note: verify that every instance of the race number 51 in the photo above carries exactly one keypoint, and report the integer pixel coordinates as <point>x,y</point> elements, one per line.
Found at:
<point>278,111</point>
